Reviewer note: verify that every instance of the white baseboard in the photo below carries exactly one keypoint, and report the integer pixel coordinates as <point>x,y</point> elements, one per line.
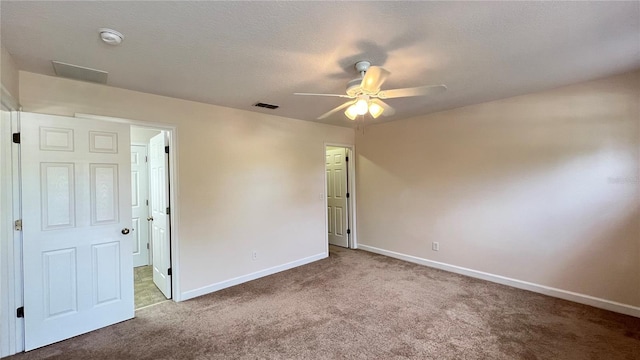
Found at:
<point>244,278</point>
<point>542,289</point>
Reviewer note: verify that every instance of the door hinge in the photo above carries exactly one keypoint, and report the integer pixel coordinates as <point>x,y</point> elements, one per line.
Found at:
<point>17,225</point>
<point>166,149</point>
<point>346,158</point>
<point>146,159</point>
<point>348,231</point>
<point>347,195</point>
<point>16,138</point>
<point>168,212</point>
<point>147,246</point>
<point>20,312</point>
<point>169,271</point>
<point>147,201</point>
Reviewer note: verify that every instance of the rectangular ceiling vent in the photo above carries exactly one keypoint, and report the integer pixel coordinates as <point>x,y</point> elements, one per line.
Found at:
<point>79,72</point>
<point>267,106</point>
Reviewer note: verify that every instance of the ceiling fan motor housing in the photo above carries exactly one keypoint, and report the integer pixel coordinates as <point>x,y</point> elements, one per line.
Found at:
<point>362,66</point>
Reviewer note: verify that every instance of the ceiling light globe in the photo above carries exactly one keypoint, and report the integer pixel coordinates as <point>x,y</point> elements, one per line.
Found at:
<point>375,110</point>
<point>361,107</point>
<point>351,112</point>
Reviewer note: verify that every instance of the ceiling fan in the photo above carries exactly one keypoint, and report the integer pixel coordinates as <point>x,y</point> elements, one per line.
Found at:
<point>366,96</point>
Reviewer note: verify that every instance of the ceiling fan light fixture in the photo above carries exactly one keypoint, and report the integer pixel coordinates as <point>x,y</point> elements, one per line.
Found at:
<point>366,95</point>
<point>361,106</point>
<point>351,112</point>
<point>375,110</point>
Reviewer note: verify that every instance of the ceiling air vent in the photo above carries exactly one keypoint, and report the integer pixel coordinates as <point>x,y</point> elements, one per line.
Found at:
<point>79,72</point>
<point>268,106</point>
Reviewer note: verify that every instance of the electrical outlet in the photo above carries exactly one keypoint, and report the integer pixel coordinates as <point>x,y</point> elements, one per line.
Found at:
<point>254,255</point>
<point>435,246</point>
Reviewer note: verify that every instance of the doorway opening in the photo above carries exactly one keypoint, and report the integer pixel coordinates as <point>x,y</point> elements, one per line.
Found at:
<point>70,182</point>
<point>340,195</point>
<point>150,210</point>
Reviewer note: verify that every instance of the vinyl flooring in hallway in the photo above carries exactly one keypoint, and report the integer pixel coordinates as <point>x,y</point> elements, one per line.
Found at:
<point>146,292</point>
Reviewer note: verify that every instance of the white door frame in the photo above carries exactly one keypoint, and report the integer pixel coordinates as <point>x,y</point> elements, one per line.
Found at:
<point>12,327</point>
<point>11,260</point>
<point>351,203</point>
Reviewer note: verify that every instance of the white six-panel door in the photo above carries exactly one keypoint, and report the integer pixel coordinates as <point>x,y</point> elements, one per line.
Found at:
<point>337,210</point>
<point>78,271</point>
<point>139,207</point>
<point>160,241</point>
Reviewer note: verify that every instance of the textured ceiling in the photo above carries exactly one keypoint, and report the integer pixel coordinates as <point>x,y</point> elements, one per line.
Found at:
<point>238,53</point>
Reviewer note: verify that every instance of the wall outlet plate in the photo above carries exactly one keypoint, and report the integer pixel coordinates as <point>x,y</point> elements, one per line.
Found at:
<point>435,246</point>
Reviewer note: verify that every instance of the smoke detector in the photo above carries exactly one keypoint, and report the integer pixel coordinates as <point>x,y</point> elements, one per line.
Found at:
<point>110,36</point>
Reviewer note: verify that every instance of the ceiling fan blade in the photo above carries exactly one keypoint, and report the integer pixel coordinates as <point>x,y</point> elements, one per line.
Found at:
<point>416,91</point>
<point>331,112</point>
<point>373,79</point>
<point>333,95</point>
<point>388,110</point>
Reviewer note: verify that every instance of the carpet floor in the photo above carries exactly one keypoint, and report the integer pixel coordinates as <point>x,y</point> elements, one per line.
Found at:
<point>146,292</point>
<point>358,305</point>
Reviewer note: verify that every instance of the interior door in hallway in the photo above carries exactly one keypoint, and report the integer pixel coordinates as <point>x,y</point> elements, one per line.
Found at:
<point>337,198</point>
<point>159,190</point>
<point>139,205</point>
<point>77,253</point>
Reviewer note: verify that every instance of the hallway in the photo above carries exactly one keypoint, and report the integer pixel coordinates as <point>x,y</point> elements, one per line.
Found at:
<point>146,292</point>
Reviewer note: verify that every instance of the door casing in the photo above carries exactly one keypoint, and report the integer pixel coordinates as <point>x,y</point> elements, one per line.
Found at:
<point>11,327</point>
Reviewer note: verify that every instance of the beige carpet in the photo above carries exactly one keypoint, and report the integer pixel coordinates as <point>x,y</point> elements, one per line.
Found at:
<point>357,305</point>
<point>146,292</point>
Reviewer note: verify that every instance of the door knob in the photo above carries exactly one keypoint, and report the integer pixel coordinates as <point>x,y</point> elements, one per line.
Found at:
<point>150,218</point>
<point>125,231</point>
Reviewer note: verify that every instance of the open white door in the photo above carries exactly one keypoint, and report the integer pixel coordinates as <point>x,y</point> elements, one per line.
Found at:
<point>160,240</point>
<point>139,205</point>
<point>77,253</point>
<point>337,210</point>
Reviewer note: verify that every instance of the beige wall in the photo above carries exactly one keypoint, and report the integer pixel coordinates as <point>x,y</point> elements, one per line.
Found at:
<point>542,188</point>
<point>9,74</point>
<point>247,181</point>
